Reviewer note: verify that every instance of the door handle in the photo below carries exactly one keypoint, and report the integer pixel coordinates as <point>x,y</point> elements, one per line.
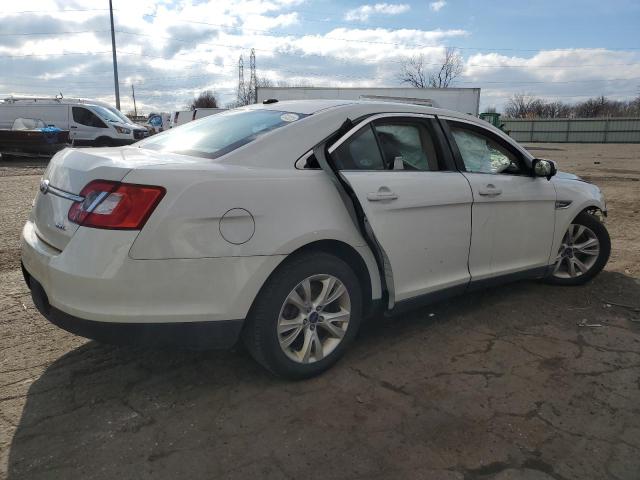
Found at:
<point>73,126</point>
<point>381,195</point>
<point>490,191</point>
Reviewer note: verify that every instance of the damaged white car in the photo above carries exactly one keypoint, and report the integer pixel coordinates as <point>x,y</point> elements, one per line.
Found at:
<point>286,224</point>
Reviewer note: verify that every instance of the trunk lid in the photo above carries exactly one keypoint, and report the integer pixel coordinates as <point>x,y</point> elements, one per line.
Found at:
<point>69,171</point>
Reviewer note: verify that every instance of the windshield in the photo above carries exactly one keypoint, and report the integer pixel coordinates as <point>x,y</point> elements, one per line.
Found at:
<point>107,114</point>
<point>216,135</point>
<point>123,118</point>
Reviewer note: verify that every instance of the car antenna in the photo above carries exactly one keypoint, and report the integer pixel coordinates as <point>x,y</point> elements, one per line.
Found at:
<point>270,100</point>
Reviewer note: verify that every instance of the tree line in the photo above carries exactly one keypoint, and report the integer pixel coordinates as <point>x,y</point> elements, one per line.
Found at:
<point>521,105</point>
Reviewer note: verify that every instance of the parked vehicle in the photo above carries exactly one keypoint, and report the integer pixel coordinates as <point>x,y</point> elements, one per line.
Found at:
<point>31,136</point>
<point>88,124</point>
<point>286,224</point>
<point>157,122</point>
<point>185,116</point>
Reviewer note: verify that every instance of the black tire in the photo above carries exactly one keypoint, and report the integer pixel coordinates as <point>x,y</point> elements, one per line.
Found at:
<point>596,226</point>
<point>260,332</point>
<point>103,142</point>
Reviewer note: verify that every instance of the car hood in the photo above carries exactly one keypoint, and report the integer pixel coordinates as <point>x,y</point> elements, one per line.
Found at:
<point>567,176</point>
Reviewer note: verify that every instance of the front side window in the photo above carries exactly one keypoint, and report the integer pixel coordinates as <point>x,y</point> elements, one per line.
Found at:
<point>217,135</point>
<point>482,154</point>
<point>84,116</point>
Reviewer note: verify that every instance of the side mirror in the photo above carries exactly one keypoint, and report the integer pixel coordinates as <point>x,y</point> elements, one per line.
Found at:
<point>543,168</point>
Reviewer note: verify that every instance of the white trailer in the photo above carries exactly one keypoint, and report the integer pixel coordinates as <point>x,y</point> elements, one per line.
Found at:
<point>180,117</point>
<point>465,100</point>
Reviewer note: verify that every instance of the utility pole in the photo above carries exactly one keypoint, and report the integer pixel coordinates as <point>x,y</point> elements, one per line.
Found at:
<point>115,59</point>
<point>241,86</point>
<point>253,90</point>
<point>133,92</point>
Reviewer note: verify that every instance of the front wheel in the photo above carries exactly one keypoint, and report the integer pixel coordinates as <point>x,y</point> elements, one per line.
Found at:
<point>103,142</point>
<point>583,253</point>
<point>305,317</point>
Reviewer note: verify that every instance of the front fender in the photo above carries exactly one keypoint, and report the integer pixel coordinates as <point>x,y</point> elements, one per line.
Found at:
<point>573,197</point>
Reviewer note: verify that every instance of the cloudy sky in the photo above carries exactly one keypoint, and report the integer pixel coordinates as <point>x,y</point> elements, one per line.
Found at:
<point>172,49</point>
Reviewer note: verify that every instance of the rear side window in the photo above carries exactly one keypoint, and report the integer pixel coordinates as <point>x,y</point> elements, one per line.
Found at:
<point>84,116</point>
<point>407,146</point>
<point>389,144</point>
<point>359,152</point>
<point>217,135</point>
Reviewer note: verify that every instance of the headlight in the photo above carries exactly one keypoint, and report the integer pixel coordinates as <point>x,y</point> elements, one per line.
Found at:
<point>126,131</point>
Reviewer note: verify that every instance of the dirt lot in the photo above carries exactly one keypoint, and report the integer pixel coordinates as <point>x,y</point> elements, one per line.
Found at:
<point>501,384</point>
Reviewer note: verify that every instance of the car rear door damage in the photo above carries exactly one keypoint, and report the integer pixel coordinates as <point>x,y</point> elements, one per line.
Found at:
<point>357,214</point>
<point>397,205</point>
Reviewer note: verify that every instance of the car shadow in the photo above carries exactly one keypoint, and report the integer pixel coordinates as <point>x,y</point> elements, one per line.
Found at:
<point>121,412</point>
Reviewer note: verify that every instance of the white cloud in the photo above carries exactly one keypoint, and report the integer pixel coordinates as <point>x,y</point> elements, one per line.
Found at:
<point>437,6</point>
<point>568,75</point>
<point>181,47</point>
<point>363,12</point>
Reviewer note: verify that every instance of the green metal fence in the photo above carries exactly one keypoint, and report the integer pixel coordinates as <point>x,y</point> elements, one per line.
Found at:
<point>575,130</point>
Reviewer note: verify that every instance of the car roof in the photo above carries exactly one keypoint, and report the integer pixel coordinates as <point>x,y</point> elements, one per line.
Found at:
<point>309,107</point>
<point>327,115</point>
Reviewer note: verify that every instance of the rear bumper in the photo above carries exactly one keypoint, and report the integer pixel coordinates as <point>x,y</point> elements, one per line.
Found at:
<point>93,288</point>
<point>195,335</point>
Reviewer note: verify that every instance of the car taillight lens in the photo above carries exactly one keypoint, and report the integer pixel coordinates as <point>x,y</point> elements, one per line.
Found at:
<point>115,205</point>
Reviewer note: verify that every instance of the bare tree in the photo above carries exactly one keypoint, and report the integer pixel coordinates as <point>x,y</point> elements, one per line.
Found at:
<point>206,99</point>
<point>521,105</point>
<point>415,73</point>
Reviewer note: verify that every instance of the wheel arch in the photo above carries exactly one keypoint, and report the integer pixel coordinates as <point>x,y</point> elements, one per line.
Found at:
<point>103,139</point>
<point>564,217</point>
<point>594,209</point>
<point>360,259</point>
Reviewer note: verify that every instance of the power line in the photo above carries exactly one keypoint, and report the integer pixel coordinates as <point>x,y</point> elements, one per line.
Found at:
<point>303,55</point>
<point>268,33</point>
<point>27,34</point>
<point>58,11</point>
<point>124,32</point>
<point>52,54</point>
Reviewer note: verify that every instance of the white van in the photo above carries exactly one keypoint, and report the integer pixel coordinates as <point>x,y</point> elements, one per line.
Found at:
<point>88,124</point>
<point>106,105</point>
<point>181,117</point>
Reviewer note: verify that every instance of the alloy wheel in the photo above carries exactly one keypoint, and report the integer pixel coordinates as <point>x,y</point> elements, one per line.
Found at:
<point>314,318</point>
<point>578,253</point>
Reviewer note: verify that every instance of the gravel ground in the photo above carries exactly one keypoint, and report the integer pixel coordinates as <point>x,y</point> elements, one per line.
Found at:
<point>499,384</point>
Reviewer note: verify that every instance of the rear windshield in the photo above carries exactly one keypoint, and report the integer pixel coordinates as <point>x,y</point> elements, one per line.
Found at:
<point>221,133</point>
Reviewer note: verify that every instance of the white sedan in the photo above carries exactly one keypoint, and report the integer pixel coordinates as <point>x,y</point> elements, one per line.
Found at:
<point>286,224</point>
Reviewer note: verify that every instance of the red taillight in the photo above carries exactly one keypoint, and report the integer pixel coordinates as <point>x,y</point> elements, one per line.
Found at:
<point>115,205</point>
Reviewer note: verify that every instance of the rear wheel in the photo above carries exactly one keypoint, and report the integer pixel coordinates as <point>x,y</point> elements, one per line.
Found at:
<point>583,253</point>
<point>305,317</point>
